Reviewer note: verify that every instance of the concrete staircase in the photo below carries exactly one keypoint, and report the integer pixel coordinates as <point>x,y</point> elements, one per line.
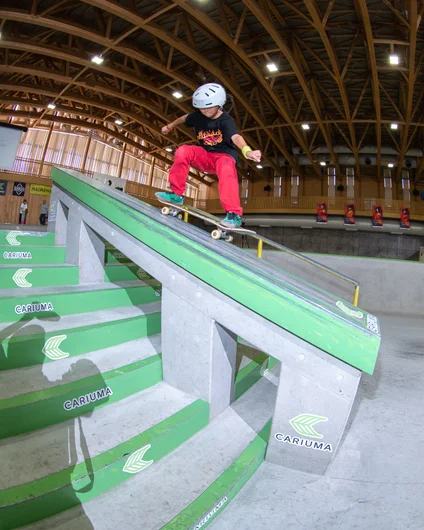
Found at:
<point>90,435</point>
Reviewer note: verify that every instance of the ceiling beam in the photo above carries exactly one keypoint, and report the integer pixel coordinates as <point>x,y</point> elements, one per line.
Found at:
<point>196,56</point>
<point>364,13</point>
<point>317,18</point>
<point>269,25</point>
<point>413,29</point>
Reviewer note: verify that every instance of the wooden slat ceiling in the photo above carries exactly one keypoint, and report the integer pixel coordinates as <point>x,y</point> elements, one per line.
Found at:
<point>332,58</point>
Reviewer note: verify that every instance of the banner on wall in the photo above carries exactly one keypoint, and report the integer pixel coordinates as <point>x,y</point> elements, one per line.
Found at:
<point>3,187</point>
<point>377,216</point>
<point>19,189</point>
<point>10,136</point>
<point>405,218</point>
<point>322,212</point>
<point>40,189</point>
<point>350,214</point>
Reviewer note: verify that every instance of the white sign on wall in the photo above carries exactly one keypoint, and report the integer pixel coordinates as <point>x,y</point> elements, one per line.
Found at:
<point>9,143</point>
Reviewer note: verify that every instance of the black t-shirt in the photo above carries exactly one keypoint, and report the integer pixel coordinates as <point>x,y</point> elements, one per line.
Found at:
<point>214,135</point>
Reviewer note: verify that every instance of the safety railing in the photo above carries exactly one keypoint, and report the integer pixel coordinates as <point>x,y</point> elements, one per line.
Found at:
<point>261,240</point>
<point>329,270</point>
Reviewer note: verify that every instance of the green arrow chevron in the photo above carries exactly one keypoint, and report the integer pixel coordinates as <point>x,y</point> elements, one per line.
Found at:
<point>135,462</point>
<point>20,278</point>
<point>52,349</point>
<point>303,424</point>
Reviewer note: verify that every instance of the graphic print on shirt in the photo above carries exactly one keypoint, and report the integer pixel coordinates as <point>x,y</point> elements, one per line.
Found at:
<point>210,137</point>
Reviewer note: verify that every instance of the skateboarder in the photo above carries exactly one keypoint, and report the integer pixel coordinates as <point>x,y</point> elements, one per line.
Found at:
<point>217,135</point>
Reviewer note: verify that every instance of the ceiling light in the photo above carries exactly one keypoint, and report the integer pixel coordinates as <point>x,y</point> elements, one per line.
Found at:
<point>259,166</point>
<point>51,106</point>
<point>305,126</point>
<point>119,122</point>
<point>393,126</point>
<point>322,163</point>
<point>177,95</point>
<point>272,67</point>
<point>169,149</point>
<point>97,59</point>
<point>394,59</point>
<point>390,165</point>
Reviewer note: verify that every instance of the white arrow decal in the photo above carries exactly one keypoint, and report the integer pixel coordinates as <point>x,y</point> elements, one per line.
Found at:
<point>351,312</point>
<point>303,424</point>
<point>135,462</point>
<point>52,348</point>
<point>11,237</point>
<point>20,278</point>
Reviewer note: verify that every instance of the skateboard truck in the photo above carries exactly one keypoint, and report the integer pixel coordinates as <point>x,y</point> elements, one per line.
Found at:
<point>173,212</point>
<point>221,234</point>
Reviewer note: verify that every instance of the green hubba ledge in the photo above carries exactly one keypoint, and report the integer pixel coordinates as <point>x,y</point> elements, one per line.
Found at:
<point>341,332</point>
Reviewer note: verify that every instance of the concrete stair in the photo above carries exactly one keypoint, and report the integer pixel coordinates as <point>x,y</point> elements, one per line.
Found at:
<point>87,423</point>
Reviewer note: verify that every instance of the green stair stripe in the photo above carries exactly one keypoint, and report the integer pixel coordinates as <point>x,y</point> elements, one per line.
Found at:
<point>26,255</point>
<point>25,276</point>
<point>314,317</point>
<point>68,303</point>
<point>27,350</point>
<point>17,238</point>
<point>65,489</point>
<point>218,495</point>
<point>113,255</point>
<point>36,410</point>
<point>122,273</point>
<point>250,374</point>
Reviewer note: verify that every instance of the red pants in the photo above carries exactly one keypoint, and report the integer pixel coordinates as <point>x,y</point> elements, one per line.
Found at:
<point>222,165</point>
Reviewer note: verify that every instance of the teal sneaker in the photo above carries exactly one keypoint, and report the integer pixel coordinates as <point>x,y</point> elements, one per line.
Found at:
<point>232,220</point>
<point>170,197</point>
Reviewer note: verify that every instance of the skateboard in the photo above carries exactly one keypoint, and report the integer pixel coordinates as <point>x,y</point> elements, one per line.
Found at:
<point>220,232</point>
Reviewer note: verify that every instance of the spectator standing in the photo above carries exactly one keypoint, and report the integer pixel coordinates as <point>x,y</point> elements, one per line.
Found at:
<point>23,211</point>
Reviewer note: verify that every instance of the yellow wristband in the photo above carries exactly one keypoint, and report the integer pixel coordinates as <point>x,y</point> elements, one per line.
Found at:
<point>245,150</point>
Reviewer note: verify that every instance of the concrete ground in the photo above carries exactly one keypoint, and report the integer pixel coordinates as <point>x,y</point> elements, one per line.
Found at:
<point>376,480</point>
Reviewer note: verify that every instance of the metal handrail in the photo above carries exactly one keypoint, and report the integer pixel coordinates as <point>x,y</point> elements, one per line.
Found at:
<point>262,240</point>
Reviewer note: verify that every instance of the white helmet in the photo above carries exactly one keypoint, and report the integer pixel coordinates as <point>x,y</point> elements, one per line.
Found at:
<point>209,95</point>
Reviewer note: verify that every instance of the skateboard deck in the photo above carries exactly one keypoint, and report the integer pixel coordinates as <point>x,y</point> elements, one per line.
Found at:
<point>221,232</point>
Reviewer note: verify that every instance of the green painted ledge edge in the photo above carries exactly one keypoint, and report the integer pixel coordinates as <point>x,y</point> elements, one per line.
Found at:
<point>224,488</point>
<point>30,417</point>
<point>39,255</point>
<point>95,339</point>
<point>318,322</point>
<point>44,238</point>
<point>60,390</point>
<point>71,487</point>
<point>40,276</point>
<point>244,380</point>
<point>99,299</point>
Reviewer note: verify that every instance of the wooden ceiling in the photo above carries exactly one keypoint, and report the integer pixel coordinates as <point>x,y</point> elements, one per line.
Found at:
<point>332,58</point>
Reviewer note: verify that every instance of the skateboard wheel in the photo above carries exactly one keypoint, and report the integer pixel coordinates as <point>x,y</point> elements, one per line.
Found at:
<point>180,216</point>
<point>165,210</point>
<point>216,234</point>
<point>230,239</point>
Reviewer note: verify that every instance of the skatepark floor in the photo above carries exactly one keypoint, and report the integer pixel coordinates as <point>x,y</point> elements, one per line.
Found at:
<point>376,480</point>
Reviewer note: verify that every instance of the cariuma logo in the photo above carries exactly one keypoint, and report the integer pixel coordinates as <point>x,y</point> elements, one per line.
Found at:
<point>304,424</point>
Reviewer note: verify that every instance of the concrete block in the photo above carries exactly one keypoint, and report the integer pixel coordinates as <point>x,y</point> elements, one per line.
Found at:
<point>198,354</point>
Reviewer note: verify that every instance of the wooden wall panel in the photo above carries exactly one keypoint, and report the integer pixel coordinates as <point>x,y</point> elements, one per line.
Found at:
<point>10,204</point>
